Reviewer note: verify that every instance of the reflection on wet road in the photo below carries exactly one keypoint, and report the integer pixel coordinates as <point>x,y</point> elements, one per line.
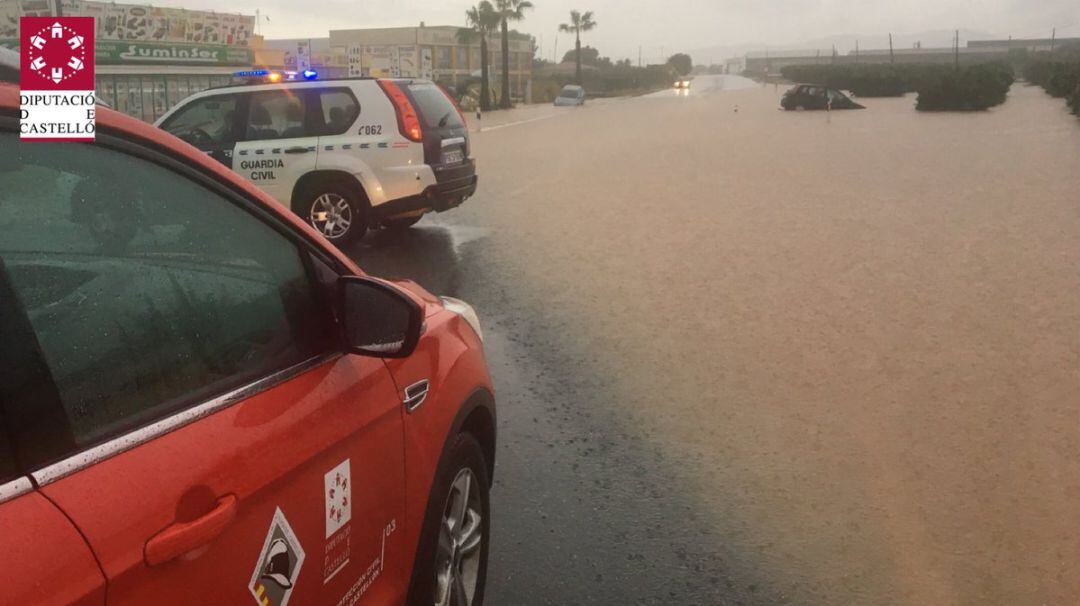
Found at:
<point>767,357</point>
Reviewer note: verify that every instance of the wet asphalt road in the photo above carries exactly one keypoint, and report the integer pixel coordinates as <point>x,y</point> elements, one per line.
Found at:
<point>756,357</point>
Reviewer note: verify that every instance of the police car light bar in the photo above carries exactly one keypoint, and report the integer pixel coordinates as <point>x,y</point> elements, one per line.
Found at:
<point>276,76</point>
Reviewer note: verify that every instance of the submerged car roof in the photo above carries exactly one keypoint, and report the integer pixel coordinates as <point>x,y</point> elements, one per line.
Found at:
<point>128,127</point>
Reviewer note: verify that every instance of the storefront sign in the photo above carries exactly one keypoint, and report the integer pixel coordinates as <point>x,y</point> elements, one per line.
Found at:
<point>172,54</point>
<point>426,64</point>
<point>137,22</point>
<point>303,55</point>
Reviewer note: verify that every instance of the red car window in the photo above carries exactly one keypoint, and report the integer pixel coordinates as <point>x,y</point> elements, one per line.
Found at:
<point>145,291</point>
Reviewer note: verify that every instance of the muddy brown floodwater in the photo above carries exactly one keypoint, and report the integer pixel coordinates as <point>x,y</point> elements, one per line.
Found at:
<point>852,340</point>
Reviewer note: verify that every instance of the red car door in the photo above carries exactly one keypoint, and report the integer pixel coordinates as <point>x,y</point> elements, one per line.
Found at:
<point>44,560</point>
<point>215,446</point>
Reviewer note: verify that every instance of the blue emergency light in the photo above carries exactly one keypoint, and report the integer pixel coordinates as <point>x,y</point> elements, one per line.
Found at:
<point>310,74</point>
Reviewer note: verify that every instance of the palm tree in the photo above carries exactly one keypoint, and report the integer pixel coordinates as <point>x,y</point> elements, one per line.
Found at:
<point>481,20</point>
<point>578,23</point>
<point>509,10</point>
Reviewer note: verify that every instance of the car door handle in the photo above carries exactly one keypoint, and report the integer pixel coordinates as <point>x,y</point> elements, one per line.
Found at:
<point>415,395</point>
<point>182,537</point>
<point>296,150</point>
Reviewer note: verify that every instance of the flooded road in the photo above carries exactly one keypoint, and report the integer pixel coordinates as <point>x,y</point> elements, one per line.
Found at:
<point>765,357</point>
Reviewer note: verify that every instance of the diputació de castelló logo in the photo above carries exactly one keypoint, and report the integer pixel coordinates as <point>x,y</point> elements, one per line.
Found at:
<point>56,78</point>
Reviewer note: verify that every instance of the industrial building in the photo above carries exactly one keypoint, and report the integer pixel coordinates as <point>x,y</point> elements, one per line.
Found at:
<point>434,52</point>
<point>761,63</point>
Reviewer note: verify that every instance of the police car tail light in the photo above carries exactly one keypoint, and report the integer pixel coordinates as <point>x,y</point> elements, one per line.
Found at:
<point>408,120</point>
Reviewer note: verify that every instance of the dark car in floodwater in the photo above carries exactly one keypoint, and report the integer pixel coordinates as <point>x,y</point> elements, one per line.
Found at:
<point>814,96</point>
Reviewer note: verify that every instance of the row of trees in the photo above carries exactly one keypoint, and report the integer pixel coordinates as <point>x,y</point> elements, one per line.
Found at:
<point>1059,74</point>
<point>486,17</point>
<point>966,88</point>
<point>680,63</point>
<point>940,87</point>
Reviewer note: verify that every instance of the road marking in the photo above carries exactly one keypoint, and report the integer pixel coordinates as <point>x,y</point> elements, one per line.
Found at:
<point>519,122</point>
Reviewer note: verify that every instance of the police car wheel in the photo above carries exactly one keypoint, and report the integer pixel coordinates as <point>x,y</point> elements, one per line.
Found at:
<point>451,563</point>
<point>334,212</point>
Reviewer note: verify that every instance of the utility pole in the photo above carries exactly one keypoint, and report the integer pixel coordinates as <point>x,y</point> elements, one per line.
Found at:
<point>555,52</point>
<point>856,52</point>
<point>892,59</point>
<point>1053,38</point>
<point>956,51</point>
<point>639,57</point>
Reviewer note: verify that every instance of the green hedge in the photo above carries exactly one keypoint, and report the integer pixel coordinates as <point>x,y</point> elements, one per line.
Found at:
<point>1060,78</point>
<point>968,88</point>
<point>606,82</point>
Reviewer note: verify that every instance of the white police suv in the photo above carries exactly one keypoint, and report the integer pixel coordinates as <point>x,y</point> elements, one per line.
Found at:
<point>347,155</point>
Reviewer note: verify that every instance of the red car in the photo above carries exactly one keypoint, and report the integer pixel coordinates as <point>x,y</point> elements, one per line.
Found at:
<point>203,402</point>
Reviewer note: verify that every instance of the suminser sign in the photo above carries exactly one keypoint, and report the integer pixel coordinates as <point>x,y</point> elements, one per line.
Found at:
<point>107,52</point>
<point>149,53</point>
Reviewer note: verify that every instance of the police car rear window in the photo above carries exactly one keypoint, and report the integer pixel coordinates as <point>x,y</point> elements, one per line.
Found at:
<point>434,106</point>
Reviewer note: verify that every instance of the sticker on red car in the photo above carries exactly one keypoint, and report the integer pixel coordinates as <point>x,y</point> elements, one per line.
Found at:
<point>279,564</point>
<point>338,496</point>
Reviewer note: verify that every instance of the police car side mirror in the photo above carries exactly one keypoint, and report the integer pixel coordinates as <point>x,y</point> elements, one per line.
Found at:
<point>378,320</point>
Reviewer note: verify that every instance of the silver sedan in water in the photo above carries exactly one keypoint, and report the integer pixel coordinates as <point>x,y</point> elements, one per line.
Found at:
<point>571,94</point>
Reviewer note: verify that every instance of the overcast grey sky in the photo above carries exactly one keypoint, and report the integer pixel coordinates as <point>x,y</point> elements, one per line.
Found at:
<point>678,25</point>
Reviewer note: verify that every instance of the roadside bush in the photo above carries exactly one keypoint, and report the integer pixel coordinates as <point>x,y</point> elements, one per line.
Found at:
<point>969,88</point>
<point>613,81</point>
<point>622,80</point>
<point>544,90</point>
